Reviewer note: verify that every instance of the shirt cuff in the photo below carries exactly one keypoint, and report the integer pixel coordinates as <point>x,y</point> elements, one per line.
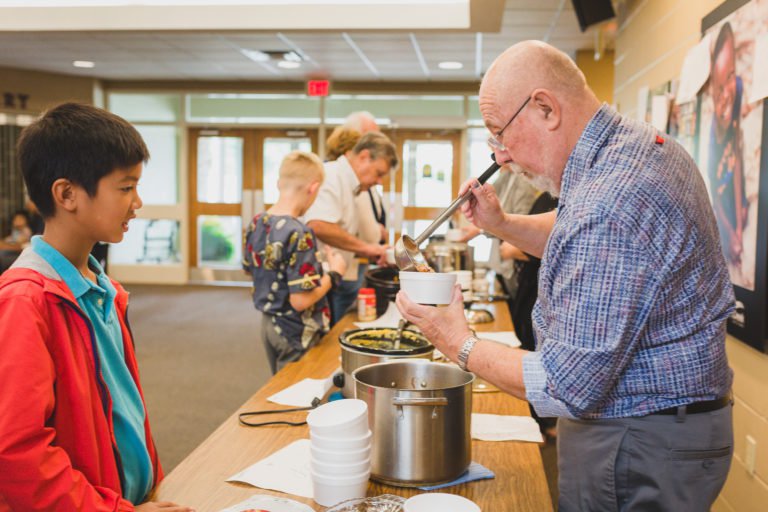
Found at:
<point>535,380</point>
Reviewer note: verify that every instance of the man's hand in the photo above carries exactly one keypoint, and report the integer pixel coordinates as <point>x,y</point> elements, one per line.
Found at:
<point>378,254</point>
<point>445,327</point>
<point>335,260</point>
<point>162,506</point>
<point>483,208</point>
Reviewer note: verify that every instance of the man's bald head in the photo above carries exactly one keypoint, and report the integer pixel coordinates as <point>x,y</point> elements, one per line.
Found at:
<point>533,64</point>
<point>536,103</point>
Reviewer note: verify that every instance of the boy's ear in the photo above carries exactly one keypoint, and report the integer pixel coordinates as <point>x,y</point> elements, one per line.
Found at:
<point>313,187</point>
<point>64,194</point>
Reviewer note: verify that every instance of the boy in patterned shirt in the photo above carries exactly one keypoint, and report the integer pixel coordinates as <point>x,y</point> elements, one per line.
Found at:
<point>289,286</point>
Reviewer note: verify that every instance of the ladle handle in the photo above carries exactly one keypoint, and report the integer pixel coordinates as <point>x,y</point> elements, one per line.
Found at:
<point>456,204</point>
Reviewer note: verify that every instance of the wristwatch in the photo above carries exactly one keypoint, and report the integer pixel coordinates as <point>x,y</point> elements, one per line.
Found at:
<point>466,348</point>
<point>335,279</point>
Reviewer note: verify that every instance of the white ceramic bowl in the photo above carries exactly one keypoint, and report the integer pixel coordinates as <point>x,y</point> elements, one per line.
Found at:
<point>434,501</point>
<point>340,456</point>
<point>329,491</point>
<point>346,469</point>
<point>428,287</point>
<point>339,419</point>
<point>346,444</point>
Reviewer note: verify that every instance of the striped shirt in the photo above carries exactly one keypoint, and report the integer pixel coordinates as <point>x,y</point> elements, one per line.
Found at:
<point>634,292</point>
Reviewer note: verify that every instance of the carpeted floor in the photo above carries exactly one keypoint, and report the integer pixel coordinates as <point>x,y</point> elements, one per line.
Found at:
<point>198,359</point>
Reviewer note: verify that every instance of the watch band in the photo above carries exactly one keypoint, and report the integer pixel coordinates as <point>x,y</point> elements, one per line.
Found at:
<point>466,348</point>
<point>335,279</point>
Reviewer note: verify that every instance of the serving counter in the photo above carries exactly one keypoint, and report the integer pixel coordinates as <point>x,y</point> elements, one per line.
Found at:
<point>199,481</point>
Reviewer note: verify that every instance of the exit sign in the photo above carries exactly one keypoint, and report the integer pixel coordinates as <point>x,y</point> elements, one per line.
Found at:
<point>318,87</point>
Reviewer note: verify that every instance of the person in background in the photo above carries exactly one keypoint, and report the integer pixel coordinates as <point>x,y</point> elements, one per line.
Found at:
<point>280,254</point>
<point>725,167</point>
<point>334,217</point>
<point>12,245</point>
<point>74,432</point>
<point>634,293</point>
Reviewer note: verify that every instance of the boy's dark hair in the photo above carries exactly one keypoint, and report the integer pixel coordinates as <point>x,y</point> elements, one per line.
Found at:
<point>78,142</point>
<point>725,35</point>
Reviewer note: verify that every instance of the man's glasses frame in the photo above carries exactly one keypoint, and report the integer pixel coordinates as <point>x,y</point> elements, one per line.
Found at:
<point>495,140</point>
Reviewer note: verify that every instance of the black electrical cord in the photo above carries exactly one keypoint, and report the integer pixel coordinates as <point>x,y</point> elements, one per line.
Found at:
<point>315,402</point>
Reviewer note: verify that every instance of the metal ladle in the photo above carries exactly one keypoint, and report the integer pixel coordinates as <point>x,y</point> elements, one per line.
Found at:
<point>407,253</point>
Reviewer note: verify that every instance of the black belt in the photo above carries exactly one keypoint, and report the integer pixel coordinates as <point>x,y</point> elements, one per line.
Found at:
<point>697,407</point>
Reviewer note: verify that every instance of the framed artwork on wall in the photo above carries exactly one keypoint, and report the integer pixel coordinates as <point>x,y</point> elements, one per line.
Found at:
<point>732,155</point>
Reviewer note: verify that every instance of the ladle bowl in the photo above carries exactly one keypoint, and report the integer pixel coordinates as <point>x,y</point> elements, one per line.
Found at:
<point>408,256</point>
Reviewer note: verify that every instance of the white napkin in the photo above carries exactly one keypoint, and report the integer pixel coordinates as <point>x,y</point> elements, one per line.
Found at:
<point>303,392</point>
<point>508,338</point>
<point>390,318</point>
<point>494,427</point>
<point>287,470</point>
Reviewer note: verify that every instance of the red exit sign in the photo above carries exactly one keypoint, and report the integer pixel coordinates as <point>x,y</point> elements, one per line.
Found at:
<point>318,87</point>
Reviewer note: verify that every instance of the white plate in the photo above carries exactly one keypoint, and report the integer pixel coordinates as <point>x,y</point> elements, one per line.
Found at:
<point>270,504</point>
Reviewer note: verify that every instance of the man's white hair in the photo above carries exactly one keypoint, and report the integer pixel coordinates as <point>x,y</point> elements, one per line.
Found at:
<point>357,120</point>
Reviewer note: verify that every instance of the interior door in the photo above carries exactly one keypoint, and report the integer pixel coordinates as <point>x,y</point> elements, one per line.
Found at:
<point>233,176</point>
<point>428,178</point>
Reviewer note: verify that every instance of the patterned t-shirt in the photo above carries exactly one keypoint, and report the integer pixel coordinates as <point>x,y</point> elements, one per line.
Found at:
<point>280,255</point>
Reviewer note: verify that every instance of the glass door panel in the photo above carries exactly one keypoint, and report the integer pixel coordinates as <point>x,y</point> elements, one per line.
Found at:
<point>274,150</point>
<point>220,170</point>
<point>427,173</point>
<point>220,240</point>
<point>429,179</point>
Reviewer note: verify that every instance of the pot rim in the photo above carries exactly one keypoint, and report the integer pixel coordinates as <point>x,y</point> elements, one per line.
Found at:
<point>378,351</point>
<point>470,377</point>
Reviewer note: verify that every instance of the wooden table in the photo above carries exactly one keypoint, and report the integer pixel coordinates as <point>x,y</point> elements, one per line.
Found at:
<point>199,481</point>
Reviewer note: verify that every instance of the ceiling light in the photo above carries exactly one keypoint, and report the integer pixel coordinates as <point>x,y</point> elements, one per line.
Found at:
<point>450,64</point>
<point>288,64</point>
<point>292,56</point>
<point>83,63</point>
<point>255,55</point>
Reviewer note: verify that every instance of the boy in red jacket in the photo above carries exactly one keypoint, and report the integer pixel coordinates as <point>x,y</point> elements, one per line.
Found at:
<point>74,433</point>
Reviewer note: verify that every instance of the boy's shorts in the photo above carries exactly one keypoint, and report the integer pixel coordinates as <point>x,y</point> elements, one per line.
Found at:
<point>279,350</point>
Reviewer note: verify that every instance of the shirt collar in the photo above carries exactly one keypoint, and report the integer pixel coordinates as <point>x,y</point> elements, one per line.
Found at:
<point>349,174</point>
<point>72,277</point>
<point>599,128</point>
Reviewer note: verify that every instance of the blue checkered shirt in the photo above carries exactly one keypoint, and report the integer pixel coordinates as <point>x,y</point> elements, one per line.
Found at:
<point>633,288</point>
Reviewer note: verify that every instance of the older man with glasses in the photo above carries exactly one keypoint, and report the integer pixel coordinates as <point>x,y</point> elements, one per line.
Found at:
<point>633,300</point>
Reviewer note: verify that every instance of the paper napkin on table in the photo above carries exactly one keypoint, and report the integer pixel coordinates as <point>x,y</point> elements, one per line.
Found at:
<point>390,318</point>
<point>504,337</point>
<point>287,470</point>
<point>494,427</point>
<point>303,392</point>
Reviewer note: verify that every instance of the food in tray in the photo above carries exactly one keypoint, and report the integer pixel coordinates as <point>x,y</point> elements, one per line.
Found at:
<point>423,267</point>
<point>384,339</point>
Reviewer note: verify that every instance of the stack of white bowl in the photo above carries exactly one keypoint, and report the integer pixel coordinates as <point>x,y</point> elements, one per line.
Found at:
<point>340,442</point>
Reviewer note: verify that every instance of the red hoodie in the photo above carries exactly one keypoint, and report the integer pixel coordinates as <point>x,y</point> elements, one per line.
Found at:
<point>57,441</point>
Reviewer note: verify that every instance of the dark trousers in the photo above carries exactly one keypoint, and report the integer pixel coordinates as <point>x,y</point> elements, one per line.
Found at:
<point>651,463</point>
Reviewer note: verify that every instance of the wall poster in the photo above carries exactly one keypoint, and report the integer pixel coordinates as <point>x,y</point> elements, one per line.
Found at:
<point>731,138</point>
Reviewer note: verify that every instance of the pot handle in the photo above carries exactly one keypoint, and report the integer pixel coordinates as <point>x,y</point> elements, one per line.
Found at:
<point>400,401</point>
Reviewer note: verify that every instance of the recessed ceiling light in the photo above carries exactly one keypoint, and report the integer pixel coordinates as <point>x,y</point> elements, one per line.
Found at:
<point>255,55</point>
<point>450,64</point>
<point>288,64</point>
<point>292,56</point>
<point>83,63</point>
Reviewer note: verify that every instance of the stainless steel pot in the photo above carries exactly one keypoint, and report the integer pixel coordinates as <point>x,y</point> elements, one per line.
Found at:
<point>354,355</point>
<point>444,256</point>
<point>420,414</point>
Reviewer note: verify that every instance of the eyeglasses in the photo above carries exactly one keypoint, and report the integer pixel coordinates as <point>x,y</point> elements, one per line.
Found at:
<point>495,140</point>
